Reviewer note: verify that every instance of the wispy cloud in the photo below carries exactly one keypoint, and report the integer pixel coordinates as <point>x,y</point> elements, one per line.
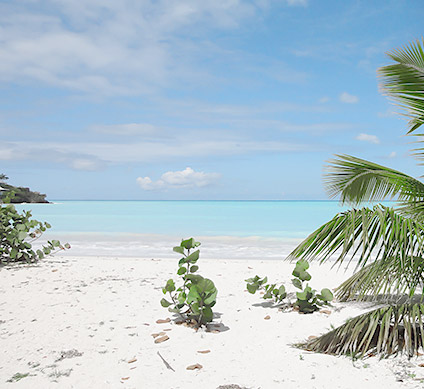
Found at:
<point>303,3</point>
<point>187,178</point>
<point>118,48</point>
<point>386,114</point>
<point>368,138</point>
<point>98,155</point>
<point>348,98</point>
<point>129,129</point>
<point>51,154</point>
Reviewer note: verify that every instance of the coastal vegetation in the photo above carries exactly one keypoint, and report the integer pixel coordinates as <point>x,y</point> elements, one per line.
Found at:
<point>17,194</point>
<point>307,300</point>
<point>387,243</point>
<point>18,231</point>
<point>194,299</point>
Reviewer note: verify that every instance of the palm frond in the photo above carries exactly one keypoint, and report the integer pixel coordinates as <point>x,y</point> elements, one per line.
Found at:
<point>418,153</point>
<point>386,331</point>
<point>357,180</point>
<point>412,208</point>
<point>382,279</point>
<point>379,230</point>
<point>404,81</point>
<point>390,243</point>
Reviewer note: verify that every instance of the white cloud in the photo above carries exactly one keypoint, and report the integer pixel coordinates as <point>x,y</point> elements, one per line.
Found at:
<point>147,184</point>
<point>111,48</point>
<point>187,178</point>
<point>386,114</point>
<point>303,3</point>
<point>324,100</point>
<point>102,153</point>
<point>87,164</point>
<point>50,153</point>
<point>348,98</point>
<point>368,138</point>
<point>393,154</point>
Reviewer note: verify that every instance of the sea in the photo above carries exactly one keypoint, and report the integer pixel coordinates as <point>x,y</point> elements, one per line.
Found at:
<point>227,229</point>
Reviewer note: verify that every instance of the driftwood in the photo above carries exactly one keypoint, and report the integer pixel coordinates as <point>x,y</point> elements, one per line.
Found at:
<point>168,366</point>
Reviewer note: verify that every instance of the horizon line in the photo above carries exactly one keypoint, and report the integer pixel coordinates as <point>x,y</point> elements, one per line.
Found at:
<point>275,200</point>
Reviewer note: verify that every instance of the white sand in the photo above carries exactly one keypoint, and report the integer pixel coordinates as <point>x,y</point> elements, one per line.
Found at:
<point>106,309</point>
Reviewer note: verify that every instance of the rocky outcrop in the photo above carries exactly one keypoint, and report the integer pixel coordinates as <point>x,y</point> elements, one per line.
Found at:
<point>17,194</point>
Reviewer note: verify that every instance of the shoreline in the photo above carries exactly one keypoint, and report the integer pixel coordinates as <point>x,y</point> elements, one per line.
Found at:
<point>70,322</point>
<point>160,245</point>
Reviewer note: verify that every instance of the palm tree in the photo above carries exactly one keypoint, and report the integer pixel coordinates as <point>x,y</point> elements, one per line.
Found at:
<point>387,243</point>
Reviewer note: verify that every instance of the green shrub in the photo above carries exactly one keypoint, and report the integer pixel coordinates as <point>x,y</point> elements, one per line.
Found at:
<point>17,233</point>
<point>271,291</point>
<point>194,299</point>
<point>307,300</point>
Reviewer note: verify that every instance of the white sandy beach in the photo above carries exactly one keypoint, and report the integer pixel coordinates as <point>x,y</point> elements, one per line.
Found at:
<point>87,322</point>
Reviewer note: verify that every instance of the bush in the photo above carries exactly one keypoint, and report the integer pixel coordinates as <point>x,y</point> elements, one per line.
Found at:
<point>194,299</point>
<point>307,300</point>
<point>18,232</point>
<point>271,291</point>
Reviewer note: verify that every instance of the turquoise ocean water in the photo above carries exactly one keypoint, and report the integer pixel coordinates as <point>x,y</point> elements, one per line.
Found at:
<point>283,219</point>
<point>134,227</point>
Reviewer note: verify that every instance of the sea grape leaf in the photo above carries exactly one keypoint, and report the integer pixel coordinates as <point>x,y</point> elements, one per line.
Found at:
<point>211,298</point>
<point>179,249</point>
<point>297,283</point>
<point>326,295</point>
<point>304,276</point>
<point>195,308</point>
<point>301,295</point>
<point>193,294</point>
<point>207,315</point>
<point>188,243</point>
<point>193,257</point>
<point>170,285</point>
<point>165,303</point>
<point>302,264</point>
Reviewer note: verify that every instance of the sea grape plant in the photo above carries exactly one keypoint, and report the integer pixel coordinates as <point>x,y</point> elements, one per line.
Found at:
<point>307,300</point>
<point>194,298</point>
<point>271,291</point>
<point>17,233</point>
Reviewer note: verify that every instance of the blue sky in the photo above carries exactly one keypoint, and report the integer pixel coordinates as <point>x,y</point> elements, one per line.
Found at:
<point>220,99</point>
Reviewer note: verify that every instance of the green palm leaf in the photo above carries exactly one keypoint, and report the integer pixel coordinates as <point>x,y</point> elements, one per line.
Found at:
<point>383,279</point>
<point>357,180</point>
<point>412,208</point>
<point>404,81</point>
<point>388,242</point>
<point>386,331</point>
<point>379,230</point>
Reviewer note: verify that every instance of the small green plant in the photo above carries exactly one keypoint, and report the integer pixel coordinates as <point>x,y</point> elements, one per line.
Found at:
<point>194,299</point>
<point>17,377</point>
<point>17,233</point>
<point>271,291</point>
<point>307,300</point>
